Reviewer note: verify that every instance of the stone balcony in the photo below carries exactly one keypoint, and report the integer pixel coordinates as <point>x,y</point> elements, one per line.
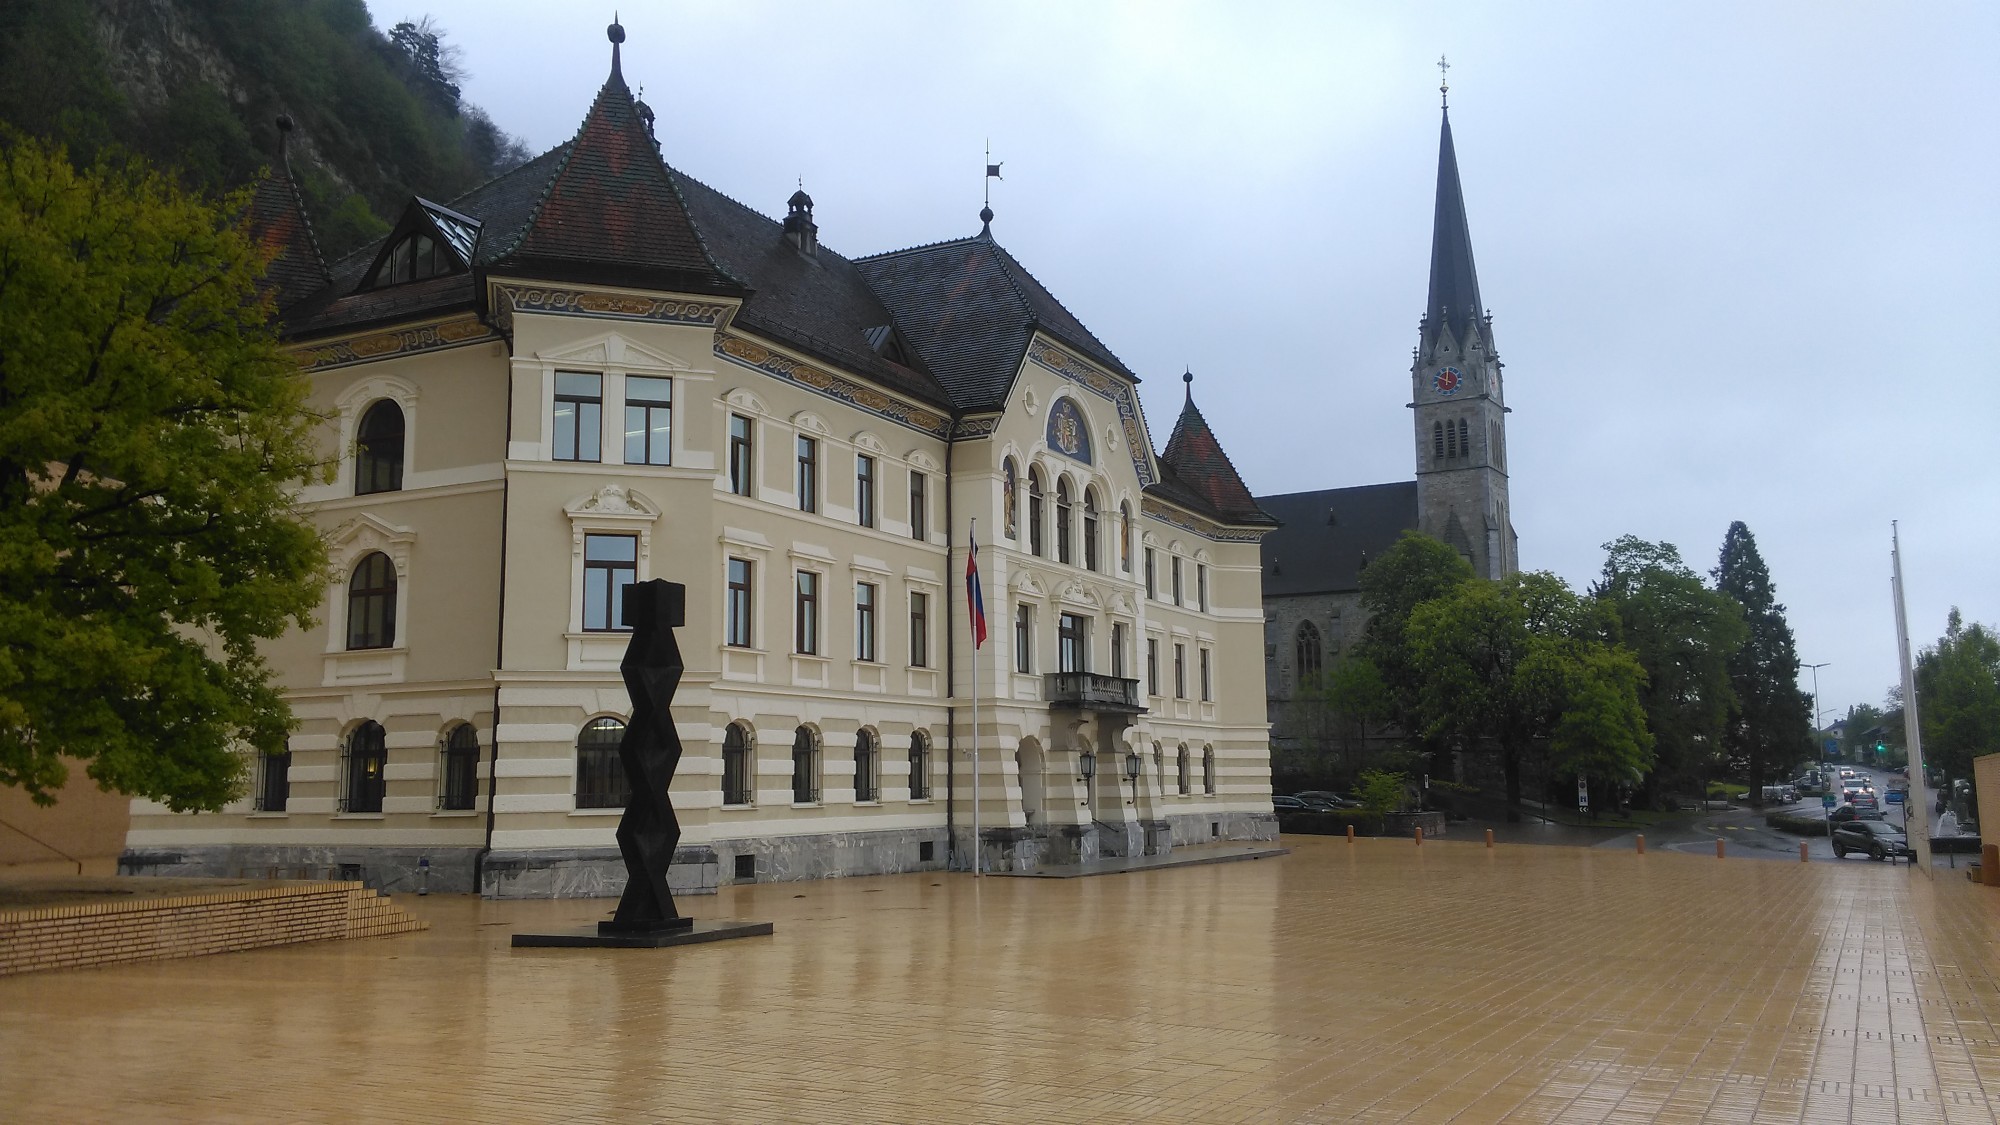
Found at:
<point>1089,691</point>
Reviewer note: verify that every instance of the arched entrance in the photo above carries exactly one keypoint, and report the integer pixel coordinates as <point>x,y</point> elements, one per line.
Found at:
<point>1028,766</point>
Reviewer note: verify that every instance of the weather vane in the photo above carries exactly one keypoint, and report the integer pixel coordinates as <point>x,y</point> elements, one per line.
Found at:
<point>1444,87</point>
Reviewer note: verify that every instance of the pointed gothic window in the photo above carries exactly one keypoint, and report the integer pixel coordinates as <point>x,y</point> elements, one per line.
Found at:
<point>1494,443</point>
<point>1464,444</point>
<point>1437,440</point>
<point>1308,652</point>
<point>1450,440</point>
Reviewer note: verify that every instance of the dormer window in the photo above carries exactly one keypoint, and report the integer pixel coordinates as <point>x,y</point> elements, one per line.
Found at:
<point>413,259</point>
<point>430,240</point>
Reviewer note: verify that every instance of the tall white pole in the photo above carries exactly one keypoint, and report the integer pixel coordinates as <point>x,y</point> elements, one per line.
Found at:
<point>978,860</point>
<point>1917,813</point>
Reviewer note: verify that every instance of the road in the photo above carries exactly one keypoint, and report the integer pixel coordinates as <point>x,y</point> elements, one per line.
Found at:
<point>1744,834</point>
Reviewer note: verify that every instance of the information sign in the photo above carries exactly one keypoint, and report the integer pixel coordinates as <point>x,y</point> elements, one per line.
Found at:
<point>1582,794</point>
<point>1826,802</point>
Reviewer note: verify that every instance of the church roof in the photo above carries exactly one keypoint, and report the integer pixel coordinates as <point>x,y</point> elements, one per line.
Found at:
<point>1194,460</point>
<point>968,308</point>
<point>1326,537</point>
<point>1454,294</point>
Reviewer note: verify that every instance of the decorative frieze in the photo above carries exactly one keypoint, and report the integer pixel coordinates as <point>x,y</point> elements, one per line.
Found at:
<point>453,332</point>
<point>552,300</point>
<point>751,354</point>
<point>1189,522</point>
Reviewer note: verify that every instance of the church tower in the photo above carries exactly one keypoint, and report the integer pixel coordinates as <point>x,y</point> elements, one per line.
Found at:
<point>1460,412</point>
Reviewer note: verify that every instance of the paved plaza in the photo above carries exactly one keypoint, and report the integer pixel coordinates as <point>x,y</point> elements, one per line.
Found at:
<point>1374,981</point>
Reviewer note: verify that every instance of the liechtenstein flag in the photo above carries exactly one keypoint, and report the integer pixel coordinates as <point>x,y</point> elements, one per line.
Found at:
<point>973,597</point>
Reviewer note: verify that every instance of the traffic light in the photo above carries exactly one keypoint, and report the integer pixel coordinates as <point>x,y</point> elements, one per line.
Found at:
<point>1881,748</point>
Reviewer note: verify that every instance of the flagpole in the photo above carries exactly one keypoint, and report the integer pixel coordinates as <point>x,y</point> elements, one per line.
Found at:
<point>978,862</point>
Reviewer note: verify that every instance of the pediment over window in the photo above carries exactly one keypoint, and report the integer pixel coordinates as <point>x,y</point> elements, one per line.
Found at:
<point>615,501</point>
<point>1025,582</point>
<point>615,351</point>
<point>368,532</point>
<point>430,240</point>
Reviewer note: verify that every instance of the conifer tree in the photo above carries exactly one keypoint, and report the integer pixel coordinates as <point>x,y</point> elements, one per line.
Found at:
<point>1769,724</point>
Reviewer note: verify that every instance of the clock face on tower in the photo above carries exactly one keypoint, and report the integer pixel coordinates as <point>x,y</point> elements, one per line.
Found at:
<point>1447,381</point>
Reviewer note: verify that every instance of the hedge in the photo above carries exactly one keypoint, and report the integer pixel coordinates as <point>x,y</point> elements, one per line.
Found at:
<point>1330,823</point>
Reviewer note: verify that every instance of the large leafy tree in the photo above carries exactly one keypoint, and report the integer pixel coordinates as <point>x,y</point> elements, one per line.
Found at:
<point>1770,725</point>
<point>1682,633</point>
<point>1503,665</point>
<point>1416,570</point>
<point>150,433</point>
<point>1958,697</point>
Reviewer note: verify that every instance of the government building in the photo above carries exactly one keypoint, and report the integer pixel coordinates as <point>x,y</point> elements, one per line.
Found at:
<point>596,370</point>
<point>1312,564</point>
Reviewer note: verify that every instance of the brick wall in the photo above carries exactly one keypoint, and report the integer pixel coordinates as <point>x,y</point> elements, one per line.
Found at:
<point>77,935</point>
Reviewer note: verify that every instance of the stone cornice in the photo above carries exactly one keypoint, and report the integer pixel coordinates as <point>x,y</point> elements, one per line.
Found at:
<point>1189,522</point>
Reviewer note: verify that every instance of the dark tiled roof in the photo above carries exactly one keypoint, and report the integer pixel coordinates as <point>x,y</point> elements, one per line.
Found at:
<point>1454,295</point>
<point>1196,461</point>
<point>1327,536</point>
<point>819,303</point>
<point>612,214</point>
<point>278,222</point>
<point>968,308</point>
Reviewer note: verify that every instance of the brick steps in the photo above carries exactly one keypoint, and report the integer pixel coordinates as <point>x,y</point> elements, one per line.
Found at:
<point>191,921</point>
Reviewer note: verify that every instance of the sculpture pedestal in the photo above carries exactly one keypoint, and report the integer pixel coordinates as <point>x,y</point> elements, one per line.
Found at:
<point>698,933</point>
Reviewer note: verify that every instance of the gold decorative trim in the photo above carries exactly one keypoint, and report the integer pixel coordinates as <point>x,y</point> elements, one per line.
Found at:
<point>1195,524</point>
<point>754,355</point>
<point>453,332</point>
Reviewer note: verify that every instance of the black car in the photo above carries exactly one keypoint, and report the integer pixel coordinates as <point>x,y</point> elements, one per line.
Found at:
<point>1877,839</point>
<point>1284,804</point>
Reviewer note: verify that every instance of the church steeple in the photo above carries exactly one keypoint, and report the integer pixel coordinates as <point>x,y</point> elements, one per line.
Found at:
<point>1454,297</point>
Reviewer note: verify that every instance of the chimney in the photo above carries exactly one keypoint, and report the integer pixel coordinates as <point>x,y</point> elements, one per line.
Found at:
<point>799,226</point>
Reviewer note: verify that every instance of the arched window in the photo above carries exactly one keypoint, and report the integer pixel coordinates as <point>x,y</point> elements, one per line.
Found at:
<point>1450,440</point>
<point>1034,511</point>
<point>367,767</point>
<point>1090,528</point>
<point>1464,443</point>
<point>805,767</point>
<point>1208,770</point>
<point>1184,771</point>
<point>1437,440</point>
<point>920,767</point>
<point>867,767</point>
<point>378,450</point>
<point>1309,652</point>
<point>1124,537</point>
<point>736,763</point>
<point>371,603</point>
<point>1010,496</point>
<point>458,769</point>
<point>1063,513</point>
<point>600,776</point>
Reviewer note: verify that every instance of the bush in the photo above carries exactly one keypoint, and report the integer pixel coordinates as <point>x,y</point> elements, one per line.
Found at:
<point>1796,825</point>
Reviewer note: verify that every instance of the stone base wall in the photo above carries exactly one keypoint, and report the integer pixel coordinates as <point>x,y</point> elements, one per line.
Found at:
<point>588,873</point>
<point>395,870</point>
<point>1216,827</point>
<point>832,855</point>
<point>192,924</point>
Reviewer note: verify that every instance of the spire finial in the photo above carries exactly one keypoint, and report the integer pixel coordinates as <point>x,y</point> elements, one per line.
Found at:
<point>1444,87</point>
<point>285,141</point>
<point>1187,378</point>
<point>615,33</point>
<point>992,173</point>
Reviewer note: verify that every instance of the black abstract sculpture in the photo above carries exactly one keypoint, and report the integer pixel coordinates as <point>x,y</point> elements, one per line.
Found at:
<point>650,752</point>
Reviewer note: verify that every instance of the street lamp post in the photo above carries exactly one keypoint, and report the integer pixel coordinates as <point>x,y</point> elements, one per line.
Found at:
<point>1815,671</point>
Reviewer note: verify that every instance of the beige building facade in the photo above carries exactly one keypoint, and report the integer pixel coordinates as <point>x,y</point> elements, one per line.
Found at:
<point>598,371</point>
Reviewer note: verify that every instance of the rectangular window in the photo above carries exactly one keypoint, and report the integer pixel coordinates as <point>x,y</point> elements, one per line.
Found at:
<point>274,781</point>
<point>920,630</point>
<point>864,489</point>
<point>1152,576</point>
<point>736,610</point>
<point>1207,684</point>
<point>610,563</point>
<point>806,612</point>
<point>649,420</point>
<point>808,482</point>
<point>1176,564</point>
<point>1201,587</point>
<point>864,621</point>
<point>1152,666</point>
<point>1118,649</point>
<point>739,455</point>
<point>579,418</point>
<point>1024,639</point>
<point>1072,643</point>
<point>919,506</point>
<point>1180,671</point>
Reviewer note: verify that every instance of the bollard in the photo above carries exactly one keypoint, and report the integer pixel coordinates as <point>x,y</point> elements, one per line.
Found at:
<point>1989,864</point>
<point>1420,835</point>
<point>1642,843</point>
<point>1802,851</point>
<point>1489,837</point>
<point>1350,833</point>
<point>1718,847</point>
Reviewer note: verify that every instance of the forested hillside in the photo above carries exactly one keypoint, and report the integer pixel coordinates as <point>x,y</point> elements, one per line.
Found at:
<point>197,84</point>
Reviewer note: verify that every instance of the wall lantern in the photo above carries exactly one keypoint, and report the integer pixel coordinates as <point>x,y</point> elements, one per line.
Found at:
<point>1086,765</point>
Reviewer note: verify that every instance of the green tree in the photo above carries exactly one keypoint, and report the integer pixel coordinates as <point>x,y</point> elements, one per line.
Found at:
<point>1682,633</point>
<point>1504,664</point>
<point>151,432</point>
<point>1770,725</point>
<point>1859,734</point>
<point>1416,570</point>
<point>1958,698</point>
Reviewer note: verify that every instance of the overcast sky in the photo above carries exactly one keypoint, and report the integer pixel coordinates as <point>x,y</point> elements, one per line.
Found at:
<point>1740,257</point>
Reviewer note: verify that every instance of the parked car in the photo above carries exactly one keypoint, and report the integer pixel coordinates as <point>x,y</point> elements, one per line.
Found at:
<point>1876,838</point>
<point>1329,797</point>
<point>1283,804</point>
<point>1780,794</point>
